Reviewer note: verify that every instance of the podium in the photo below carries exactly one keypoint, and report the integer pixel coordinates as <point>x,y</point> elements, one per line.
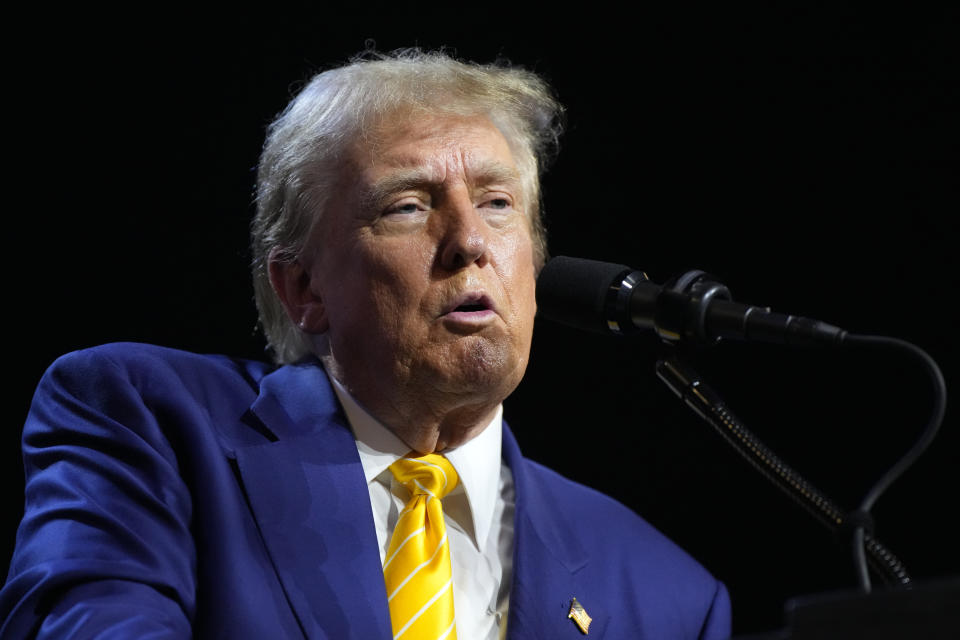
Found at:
<point>928,611</point>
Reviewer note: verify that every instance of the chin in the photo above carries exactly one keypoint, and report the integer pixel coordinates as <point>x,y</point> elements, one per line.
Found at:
<point>490,371</point>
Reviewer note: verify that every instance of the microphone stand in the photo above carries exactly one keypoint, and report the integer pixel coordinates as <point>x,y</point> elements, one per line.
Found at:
<point>685,312</point>
<point>911,610</point>
<point>707,404</point>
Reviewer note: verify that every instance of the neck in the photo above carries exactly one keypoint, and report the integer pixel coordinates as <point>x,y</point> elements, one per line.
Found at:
<point>425,422</point>
<point>429,434</point>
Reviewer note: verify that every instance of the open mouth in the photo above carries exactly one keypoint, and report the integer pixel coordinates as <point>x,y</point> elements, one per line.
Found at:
<point>470,304</point>
<point>474,306</point>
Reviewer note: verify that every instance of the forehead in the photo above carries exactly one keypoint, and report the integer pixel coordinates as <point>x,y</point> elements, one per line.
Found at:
<point>434,144</point>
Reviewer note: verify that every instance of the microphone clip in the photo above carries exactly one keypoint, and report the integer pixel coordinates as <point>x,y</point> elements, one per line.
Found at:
<point>682,306</point>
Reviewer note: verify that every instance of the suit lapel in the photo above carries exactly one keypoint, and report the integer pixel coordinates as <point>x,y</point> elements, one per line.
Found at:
<point>311,503</point>
<point>546,561</point>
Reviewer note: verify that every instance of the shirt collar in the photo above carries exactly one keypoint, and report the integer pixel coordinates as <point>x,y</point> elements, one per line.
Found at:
<point>477,461</point>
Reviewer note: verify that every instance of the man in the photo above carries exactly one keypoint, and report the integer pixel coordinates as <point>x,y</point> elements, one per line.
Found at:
<point>396,245</point>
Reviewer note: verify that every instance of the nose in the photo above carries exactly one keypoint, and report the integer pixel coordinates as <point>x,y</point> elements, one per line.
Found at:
<point>464,239</point>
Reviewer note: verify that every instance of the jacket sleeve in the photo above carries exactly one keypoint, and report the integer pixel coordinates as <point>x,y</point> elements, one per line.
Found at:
<point>104,549</point>
<point>718,622</point>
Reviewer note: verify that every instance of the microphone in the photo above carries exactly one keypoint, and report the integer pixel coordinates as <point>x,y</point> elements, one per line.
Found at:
<point>613,298</point>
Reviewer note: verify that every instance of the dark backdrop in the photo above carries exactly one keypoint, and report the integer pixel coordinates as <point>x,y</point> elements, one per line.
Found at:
<point>806,156</point>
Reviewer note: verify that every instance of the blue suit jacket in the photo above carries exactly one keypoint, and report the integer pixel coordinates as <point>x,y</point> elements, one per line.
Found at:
<point>171,494</point>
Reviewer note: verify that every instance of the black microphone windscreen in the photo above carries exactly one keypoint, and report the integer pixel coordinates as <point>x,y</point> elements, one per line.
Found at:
<point>574,291</point>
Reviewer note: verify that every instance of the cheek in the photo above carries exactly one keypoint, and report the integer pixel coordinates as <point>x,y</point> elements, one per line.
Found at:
<point>397,274</point>
<point>529,310</point>
<point>522,280</point>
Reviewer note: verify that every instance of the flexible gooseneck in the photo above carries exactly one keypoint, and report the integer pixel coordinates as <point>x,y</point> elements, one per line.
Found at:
<point>707,404</point>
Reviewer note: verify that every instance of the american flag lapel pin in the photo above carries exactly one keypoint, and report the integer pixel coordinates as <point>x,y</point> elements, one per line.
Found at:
<point>579,616</point>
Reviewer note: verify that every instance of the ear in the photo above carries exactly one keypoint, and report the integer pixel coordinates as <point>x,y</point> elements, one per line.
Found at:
<point>291,282</point>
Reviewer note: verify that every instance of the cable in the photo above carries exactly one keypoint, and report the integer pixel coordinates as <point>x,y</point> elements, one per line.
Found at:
<point>922,443</point>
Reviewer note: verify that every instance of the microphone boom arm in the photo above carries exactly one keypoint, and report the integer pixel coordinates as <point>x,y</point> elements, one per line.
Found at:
<point>706,403</point>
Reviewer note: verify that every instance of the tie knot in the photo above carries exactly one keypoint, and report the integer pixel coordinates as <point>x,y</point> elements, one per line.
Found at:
<point>431,474</point>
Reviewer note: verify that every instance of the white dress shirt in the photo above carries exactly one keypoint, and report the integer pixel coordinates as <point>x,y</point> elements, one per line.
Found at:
<point>478,514</point>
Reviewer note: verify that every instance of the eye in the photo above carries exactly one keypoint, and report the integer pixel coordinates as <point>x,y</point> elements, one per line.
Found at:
<point>405,207</point>
<point>497,202</point>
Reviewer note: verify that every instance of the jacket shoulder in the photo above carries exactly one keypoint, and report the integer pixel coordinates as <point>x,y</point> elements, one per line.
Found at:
<point>146,388</point>
<point>615,536</point>
<point>585,507</point>
<point>137,360</point>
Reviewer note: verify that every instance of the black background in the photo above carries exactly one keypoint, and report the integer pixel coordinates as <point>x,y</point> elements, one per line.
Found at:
<point>807,156</point>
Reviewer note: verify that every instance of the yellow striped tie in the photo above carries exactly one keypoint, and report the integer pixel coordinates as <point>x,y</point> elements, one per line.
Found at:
<point>417,565</point>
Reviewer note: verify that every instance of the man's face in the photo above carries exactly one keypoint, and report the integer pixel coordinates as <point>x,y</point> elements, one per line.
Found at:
<point>424,264</point>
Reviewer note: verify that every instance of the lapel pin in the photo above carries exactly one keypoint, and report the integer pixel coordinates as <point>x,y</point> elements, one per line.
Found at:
<point>579,615</point>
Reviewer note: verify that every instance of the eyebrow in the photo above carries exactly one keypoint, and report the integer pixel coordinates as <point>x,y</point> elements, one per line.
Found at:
<point>483,173</point>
